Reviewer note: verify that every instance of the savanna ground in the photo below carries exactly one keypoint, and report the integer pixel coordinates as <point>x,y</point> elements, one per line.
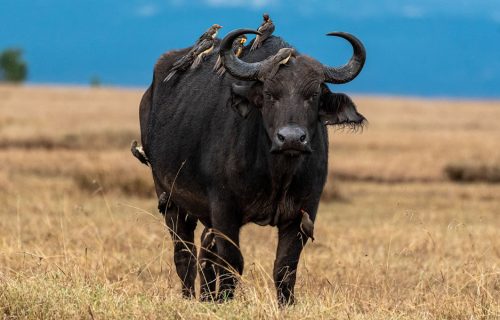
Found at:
<point>409,227</point>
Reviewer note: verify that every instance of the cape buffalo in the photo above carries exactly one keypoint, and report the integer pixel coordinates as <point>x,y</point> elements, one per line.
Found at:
<point>250,146</point>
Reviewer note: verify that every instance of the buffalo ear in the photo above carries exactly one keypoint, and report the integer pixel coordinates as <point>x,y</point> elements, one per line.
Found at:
<point>246,96</point>
<point>339,109</point>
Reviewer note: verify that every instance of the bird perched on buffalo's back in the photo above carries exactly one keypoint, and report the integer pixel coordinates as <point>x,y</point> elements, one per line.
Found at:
<point>266,29</point>
<point>203,47</point>
<point>238,46</point>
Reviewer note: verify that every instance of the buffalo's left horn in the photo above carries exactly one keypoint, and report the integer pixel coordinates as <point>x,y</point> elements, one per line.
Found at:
<point>236,67</point>
<point>350,70</point>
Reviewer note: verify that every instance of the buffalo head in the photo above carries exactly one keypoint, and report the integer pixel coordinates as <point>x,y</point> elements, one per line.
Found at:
<point>294,97</point>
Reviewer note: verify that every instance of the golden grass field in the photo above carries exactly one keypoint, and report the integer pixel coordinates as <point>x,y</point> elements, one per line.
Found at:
<point>80,236</point>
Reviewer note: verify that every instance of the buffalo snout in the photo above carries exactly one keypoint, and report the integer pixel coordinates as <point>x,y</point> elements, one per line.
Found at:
<point>291,140</point>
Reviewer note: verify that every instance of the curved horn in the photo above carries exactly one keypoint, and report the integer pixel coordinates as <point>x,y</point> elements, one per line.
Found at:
<point>236,67</point>
<point>350,70</point>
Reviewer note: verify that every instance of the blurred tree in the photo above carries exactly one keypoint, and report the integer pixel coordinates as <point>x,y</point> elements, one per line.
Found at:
<point>95,81</point>
<point>12,66</point>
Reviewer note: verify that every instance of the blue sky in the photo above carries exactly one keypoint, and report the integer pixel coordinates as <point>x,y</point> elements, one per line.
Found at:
<point>419,48</point>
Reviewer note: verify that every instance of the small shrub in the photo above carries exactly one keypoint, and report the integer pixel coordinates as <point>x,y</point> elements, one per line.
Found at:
<point>12,66</point>
<point>95,81</point>
<point>472,172</point>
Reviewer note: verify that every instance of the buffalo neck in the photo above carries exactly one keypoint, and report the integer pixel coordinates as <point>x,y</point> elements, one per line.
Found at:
<point>280,168</point>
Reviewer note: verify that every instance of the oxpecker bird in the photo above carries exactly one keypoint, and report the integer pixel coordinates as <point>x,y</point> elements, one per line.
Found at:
<point>138,152</point>
<point>203,47</point>
<point>163,203</point>
<point>266,29</point>
<point>307,225</point>
<point>271,65</point>
<point>238,46</point>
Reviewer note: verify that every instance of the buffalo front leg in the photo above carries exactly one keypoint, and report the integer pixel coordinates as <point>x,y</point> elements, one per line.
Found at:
<point>181,226</point>
<point>226,228</point>
<point>207,260</point>
<point>290,244</point>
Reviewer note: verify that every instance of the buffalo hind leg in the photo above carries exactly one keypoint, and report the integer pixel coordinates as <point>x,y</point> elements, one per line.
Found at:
<point>207,260</point>
<point>181,226</point>
<point>290,244</point>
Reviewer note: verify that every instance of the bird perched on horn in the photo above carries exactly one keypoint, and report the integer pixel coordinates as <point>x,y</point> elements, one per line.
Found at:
<point>202,48</point>
<point>238,46</point>
<point>266,29</point>
<point>273,64</point>
<point>261,70</point>
<point>269,67</point>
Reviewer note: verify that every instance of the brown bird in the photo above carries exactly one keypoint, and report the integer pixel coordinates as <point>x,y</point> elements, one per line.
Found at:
<point>266,29</point>
<point>138,152</point>
<point>307,225</point>
<point>203,47</point>
<point>238,46</point>
<point>163,204</point>
<point>271,65</point>
<point>211,33</point>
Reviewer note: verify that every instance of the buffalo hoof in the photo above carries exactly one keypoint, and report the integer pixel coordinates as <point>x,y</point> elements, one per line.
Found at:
<point>285,300</point>
<point>225,296</point>
<point>188,293</point>
<point>208,297</point>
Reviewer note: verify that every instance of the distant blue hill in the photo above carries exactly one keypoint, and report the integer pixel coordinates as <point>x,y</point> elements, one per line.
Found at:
<point>424,56</point>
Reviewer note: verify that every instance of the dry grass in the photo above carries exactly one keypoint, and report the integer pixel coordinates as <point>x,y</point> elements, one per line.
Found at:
<point>403,242</point>
<point>414,140</point>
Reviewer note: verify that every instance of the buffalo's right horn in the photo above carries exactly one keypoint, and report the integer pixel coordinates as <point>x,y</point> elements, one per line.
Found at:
<point>236,67</point>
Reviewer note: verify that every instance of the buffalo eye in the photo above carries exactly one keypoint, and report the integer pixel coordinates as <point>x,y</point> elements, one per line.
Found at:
<point>312,96</point>
<point>269,96</point>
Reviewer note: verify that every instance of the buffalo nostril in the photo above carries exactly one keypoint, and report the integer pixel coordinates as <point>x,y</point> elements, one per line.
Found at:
<point>302,138</point>
<point>281,137</point>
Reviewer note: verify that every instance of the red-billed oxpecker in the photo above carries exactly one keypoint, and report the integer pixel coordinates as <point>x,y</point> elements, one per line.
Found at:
<point>266,29</point>
<point>238,46</point>
<point>202,48</point>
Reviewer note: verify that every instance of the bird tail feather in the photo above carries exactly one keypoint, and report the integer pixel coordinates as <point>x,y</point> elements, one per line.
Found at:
<point>197,61</point>
<point>218,64</point>
<point>170,75</point>
<point>221,71</point>
<point>256,43</point>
